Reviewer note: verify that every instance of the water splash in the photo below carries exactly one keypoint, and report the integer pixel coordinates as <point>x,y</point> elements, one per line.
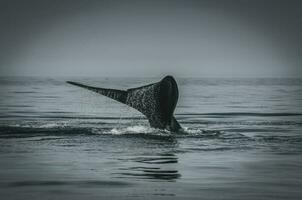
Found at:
<point>136,129</point>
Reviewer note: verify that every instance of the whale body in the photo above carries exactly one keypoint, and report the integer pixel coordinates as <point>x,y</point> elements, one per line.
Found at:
<point>156,101</point>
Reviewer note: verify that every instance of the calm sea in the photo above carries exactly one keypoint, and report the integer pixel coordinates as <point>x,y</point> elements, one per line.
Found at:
<point>242,140</point>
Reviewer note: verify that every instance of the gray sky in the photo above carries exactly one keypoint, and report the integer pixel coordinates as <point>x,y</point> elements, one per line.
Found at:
<point>151,38</point>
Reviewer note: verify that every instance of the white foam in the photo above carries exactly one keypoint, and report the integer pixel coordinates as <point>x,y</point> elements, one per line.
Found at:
<point>137,129</point>
<point>53,125</point>
<point>140,129</point>
<point>192,131</point>
<point>132,129</point>
<point>198,131</point>
<point>45,125</point>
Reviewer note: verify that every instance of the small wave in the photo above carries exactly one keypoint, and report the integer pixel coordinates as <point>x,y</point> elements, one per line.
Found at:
<point>41,126</point>
<point>65,128</point>
<point>147,130</point>
<point>137,129</point>
<point>217,149</point>
<point>68,128</point>
<point>242,114</point>
<point>16,114</point>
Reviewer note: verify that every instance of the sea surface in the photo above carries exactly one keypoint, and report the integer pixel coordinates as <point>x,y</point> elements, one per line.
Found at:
<point>242,139</point>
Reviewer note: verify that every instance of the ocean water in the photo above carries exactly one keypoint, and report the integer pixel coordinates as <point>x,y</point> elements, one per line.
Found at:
<point>242,139</point>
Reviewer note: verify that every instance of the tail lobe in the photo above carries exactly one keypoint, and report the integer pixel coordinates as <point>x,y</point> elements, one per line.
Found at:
<point>118,95</point>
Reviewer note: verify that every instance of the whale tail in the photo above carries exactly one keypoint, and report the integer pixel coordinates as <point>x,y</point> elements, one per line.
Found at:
<point>156,101</point>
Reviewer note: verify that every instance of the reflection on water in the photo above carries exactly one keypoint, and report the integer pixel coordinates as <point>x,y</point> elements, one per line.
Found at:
<point>159,167</point>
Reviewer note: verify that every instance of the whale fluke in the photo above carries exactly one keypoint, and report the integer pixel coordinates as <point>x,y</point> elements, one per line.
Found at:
<point>156,101</point>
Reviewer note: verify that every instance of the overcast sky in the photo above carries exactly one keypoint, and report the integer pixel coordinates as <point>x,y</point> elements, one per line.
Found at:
<point>151,38</point>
